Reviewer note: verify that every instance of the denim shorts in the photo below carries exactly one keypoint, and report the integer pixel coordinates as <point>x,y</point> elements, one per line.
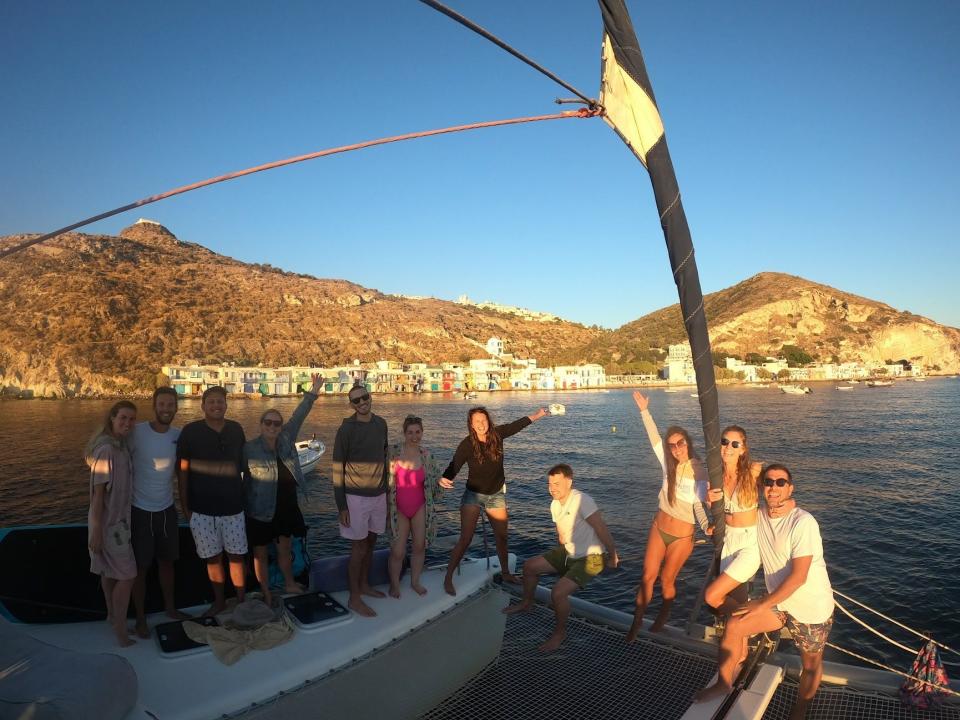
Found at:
<point>488,502</point>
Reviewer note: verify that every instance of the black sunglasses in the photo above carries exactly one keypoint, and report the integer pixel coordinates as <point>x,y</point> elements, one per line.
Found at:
<point>733,443</point>
<point>678,444</point>
<point>272,423</point>
<point>413,420</point>
<point>360,398</point>
<point>779,482</point>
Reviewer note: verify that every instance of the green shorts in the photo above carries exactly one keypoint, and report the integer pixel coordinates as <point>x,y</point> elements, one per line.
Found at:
<point>580,570</point>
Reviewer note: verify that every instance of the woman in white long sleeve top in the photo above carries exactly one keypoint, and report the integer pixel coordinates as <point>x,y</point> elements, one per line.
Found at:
<point>683,492</point>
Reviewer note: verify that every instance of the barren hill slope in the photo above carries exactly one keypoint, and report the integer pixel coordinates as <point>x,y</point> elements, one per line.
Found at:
<point>770,310</point>
<point>96,314</point>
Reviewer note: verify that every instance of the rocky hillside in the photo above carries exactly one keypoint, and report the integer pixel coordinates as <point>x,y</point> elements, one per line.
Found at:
<point>770,310</point>
<point>88,315</point>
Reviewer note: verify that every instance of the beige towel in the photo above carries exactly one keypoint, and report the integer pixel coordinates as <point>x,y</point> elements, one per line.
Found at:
<point>230,644</point>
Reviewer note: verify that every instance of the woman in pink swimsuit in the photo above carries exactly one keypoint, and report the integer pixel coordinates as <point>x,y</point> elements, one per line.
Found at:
<point>413,489</point>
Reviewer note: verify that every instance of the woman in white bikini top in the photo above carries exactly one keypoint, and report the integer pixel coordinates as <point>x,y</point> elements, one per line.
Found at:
<point>740,557</point>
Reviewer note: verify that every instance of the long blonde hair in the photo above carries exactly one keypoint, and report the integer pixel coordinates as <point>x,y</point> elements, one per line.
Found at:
<point>746,490</point>
<point>105,435</point>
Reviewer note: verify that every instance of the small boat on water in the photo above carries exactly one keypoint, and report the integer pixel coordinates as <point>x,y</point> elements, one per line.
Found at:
<point>879,383</point>
<point>671,390</point>
<point>470,395</point>
<point>844,387</point>
<point>795,389</point>
<point>310,452</point>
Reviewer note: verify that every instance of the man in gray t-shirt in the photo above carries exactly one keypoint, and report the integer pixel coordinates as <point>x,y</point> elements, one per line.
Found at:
<point>154,527</point>
<point>359,488</point>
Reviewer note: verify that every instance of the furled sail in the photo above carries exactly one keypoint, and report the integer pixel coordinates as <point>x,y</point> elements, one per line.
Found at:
<point>630,108</point>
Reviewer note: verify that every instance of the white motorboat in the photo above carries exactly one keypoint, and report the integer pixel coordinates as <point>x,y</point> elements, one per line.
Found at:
<point>844,387</point>
<point>795,389</point>
<point>310,452</point>
<point>879,383</point>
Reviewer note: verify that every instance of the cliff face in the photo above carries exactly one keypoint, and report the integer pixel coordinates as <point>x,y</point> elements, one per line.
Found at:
<point>770,310</point>
<point>89,315</point>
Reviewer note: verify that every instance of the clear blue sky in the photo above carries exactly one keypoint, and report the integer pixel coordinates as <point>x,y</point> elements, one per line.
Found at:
<point>819,139</point>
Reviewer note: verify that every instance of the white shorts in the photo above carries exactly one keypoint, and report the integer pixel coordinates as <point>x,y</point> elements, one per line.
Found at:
<point>213,534</point>
<point>740,557</point>
<point>367,515</point>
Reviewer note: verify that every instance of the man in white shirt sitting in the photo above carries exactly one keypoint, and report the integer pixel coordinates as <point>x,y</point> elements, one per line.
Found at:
<point>578,558</point>
<point>799,595</point>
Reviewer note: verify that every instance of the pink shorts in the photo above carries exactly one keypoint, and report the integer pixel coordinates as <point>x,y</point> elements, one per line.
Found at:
<point>367,515</point>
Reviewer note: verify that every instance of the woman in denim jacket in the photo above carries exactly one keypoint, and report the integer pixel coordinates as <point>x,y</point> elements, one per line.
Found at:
<point>271,478</point>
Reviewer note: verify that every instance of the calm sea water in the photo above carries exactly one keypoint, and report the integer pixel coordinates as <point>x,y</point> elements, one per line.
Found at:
<point>878,468</point>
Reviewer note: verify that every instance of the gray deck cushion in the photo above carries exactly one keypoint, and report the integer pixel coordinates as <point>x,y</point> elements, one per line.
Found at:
<point>43,682</point>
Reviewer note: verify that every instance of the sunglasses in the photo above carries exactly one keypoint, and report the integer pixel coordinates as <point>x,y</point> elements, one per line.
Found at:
<point>779,482</point>
<point>732,443</point>
<point>413,420</point>
<point>360,399</point>
<point>678,444</point>
<point>272,423</point>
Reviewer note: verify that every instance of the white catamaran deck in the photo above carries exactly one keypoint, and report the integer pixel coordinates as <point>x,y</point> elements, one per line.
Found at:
<point>194,685</point>
<point>596,674</point>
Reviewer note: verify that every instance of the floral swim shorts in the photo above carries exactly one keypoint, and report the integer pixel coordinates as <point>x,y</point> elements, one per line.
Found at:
<point>808,637</point>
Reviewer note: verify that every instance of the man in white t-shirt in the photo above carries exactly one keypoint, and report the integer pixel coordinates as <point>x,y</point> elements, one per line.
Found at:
<point>799,595</point>
<point>154,526</point>
<point>578,558</point>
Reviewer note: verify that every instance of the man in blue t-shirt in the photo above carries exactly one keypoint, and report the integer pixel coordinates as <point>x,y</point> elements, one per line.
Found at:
<point>210,459</point>
<point>153,518</point>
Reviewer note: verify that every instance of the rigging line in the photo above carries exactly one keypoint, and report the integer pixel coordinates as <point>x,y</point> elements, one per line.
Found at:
<point>941,688</point>
<point>467,23</point>
<point>895,622</point>
<point>582,113</point>
<point>873,630</point>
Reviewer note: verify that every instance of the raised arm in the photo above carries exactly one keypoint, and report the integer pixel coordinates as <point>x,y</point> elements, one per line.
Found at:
<point>656,442</point>
<point>303,409</point>
<point>516,426</point>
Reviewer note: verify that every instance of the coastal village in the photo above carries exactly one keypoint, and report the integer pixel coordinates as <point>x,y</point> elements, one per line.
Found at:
<point>500,371</point>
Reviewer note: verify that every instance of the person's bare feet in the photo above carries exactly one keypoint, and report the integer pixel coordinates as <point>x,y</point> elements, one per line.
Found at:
<point>418,589</point>
<point>294,589</point>
<point>178,615</point>
<point>448,586</point>
<point>713,692</point>
<point>657,626</point>
<point>361,608</point>
<point>553,642</point>
<point>395,591</point>
<point>634,629</point>
<point>142,629</point>
<point>123,638</point>
<point>519,607</point>
<point>214,609</point>
<point>371,592</point>
<point>510,578</point>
